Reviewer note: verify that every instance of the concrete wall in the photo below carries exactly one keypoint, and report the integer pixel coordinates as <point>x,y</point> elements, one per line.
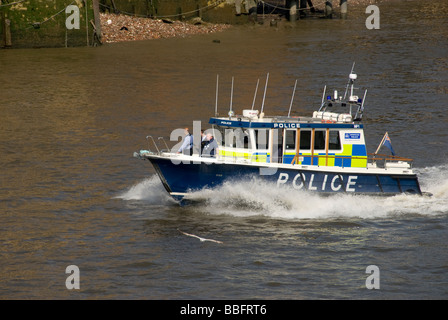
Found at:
<point>42,23</point>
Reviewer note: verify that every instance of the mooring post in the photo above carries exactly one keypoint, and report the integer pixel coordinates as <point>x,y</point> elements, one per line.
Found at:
<point>302,7</point>
<point>343,5</point>
<point>198,9</point>
<point>2,24</point>
<point>292,10</point>
<point>97,19</point>
<point>8,42</point>
<point>238,7</point>
<point>310,4</point>
<point>328,9</point>
<point>114,6</point>
<point>179,14</point>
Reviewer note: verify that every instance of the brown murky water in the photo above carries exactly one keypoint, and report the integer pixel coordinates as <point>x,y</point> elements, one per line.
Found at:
<point>71,193</point>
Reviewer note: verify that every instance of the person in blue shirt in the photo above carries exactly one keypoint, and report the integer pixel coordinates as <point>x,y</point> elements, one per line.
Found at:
<point>211,147</point>
<point>187,145</point>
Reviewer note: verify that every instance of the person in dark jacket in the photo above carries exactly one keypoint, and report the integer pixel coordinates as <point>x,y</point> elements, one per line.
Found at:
<point>211,147</point>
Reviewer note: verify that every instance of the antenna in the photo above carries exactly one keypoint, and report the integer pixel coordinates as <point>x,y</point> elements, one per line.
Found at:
<point>264,95</point>
<point>292,98</point>
<point>231,113</point>
<point>363,99</point>
<point>360,111</point>
<point>216,102</point>
<point>349,80</point>
<point>256,89</point>
<point>323,97</point>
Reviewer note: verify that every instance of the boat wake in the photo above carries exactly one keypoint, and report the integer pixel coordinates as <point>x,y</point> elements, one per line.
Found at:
<point>150,191</point>
<point>257,197</point>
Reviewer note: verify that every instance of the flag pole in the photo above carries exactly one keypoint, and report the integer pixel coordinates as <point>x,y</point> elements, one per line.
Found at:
<point>381,143</point>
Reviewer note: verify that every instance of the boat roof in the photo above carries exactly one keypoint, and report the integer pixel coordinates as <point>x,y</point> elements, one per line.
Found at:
<point>281,122</point>
<point>336,112</point>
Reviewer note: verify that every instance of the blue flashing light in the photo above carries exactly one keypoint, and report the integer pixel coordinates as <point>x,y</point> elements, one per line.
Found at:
<point>328,97</point>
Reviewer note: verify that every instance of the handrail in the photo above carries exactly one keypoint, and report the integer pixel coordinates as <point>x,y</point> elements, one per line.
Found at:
<point>385,158</point>
<point>388,157</point>
<point>161,138</point>
<point>149,147</point>
<point>371,158</point>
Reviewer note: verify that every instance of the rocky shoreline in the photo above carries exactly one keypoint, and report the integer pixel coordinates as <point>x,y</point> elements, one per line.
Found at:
<point>119,27</point>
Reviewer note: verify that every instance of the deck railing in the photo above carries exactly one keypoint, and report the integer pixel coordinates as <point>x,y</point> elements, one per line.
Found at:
<point>379,160</point>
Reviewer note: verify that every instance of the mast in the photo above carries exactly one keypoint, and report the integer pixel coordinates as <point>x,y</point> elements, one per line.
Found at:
<point>216,102</point>
<point>231,113</point>
<point>350,80</point>
<point>264,95</point>
<point>255,95</point>
<point>292,98</point>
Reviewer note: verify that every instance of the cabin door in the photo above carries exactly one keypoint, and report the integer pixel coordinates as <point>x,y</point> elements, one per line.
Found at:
<point>276,145</point>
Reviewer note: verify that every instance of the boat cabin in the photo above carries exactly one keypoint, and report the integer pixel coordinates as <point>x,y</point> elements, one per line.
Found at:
<point>325,139</point>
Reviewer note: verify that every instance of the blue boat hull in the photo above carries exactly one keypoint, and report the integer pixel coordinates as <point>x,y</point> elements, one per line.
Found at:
<point>179,179</point>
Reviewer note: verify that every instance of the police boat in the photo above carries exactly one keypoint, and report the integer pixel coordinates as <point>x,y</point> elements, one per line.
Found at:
<point>324,152</point>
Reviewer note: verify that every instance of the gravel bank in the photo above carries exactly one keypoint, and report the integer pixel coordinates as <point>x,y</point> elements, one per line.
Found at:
<point>117,28</point>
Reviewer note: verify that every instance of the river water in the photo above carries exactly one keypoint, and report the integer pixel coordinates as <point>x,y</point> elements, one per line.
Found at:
<point>72,194</point>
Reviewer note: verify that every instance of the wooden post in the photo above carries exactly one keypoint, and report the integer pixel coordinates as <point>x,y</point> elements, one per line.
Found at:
<point>292,10</point>
<point>238,7</point>
<point>310,4</point>
<point>179,14</point>
<point>302,7</point>
<point>198,8</point>
<point>328,9</point>
<point>343,4</point>
<point>2,24</point>
<point>97,18</point>
<point>7,25</point>
<point>87,23</point>
<point>114,6</point>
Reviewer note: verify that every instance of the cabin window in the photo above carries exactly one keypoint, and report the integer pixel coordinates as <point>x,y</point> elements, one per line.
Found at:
<point>305,139</point>
<point>335,141</point>
<point>290,140</point>
<point>218,133</point>
<point>246,140</point>
<point>236,138</point>
<point>261,138</point>
<point>319,140</point>
<point>229,138</point>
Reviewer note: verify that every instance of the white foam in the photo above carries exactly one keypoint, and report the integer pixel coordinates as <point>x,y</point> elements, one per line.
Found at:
<point>149,190</point>
<point>257,197</point>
